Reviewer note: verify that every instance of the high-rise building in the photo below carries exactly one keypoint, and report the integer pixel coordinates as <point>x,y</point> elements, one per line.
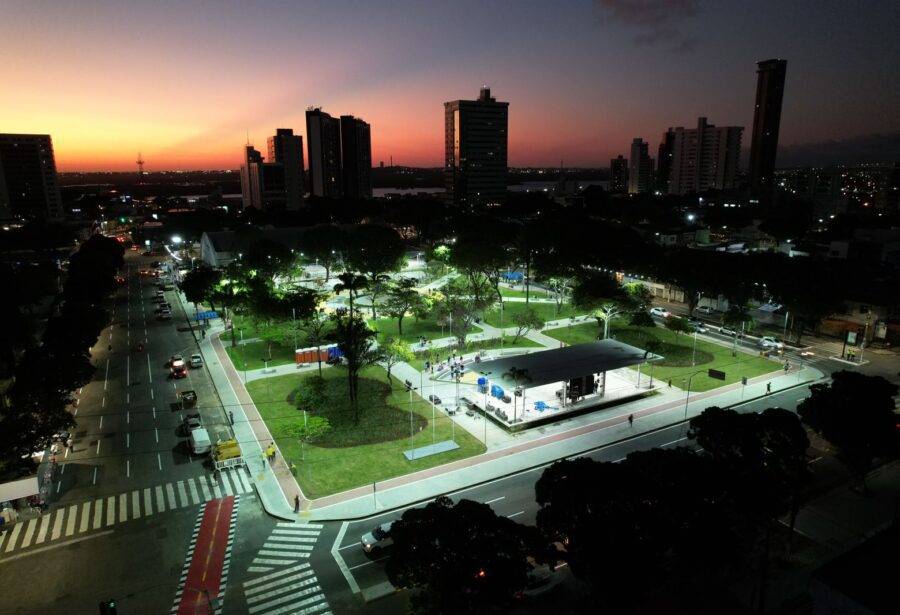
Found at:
<point>263,182</point>
<point>28,184</point>
<point>640,168</point>
<point>618,175</point>
<point>664,160</point>
<point>323,142</point>
<point>356,158</point>
<point>286,149</point>
<point>475,146</point>
<point>766,123</point>
<point>704,158</point>
<point>250,196</point>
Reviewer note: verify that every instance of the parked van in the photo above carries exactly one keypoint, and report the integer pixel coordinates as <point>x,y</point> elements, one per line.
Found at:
<point>200,442</point>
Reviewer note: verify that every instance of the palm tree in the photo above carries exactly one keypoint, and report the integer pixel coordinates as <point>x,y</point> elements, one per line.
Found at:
<point>518,374</point>
<point>352,283</point>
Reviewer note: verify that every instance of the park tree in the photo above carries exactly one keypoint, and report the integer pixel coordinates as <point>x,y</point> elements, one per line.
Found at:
<point>316,328</point>
<point>355,341</point>
<point>677,325</point>
<point>231,292</point>
<point>602,296</point>
<point>460,558</point>
<point>638,296</point>
<point>353,284</point>
<point>199,283</point>
<point>374,250</point>
<point>525,321</point>
<point>481,252</point>
<point>76,328</point>
<point>855,412</point>
<point>402,298</point>
<point>267,258</point>
<point>393,351</point>
<point>324,243</point>
<point>641,318</point>
<point>463,300</point>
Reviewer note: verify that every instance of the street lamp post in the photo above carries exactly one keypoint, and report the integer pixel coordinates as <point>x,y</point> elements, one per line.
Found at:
<point>694,351</point>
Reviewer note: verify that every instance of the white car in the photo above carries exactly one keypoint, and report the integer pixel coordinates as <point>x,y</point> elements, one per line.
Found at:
<point>704,309</point>
<point>660,312</point>
<point>768,342</point>
<point>378,539</point>
<point>196,361</point>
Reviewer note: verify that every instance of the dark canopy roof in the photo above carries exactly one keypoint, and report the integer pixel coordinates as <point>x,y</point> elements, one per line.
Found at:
<point>548,366</point>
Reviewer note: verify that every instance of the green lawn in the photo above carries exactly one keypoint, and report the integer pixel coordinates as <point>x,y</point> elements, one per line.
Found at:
<point>255,354</point>
<point>353,454</point>
<point>492,344</point>
<point>517,292</point>
<point>677,351</point>
<point>547,311</point>
<point>412,330</point>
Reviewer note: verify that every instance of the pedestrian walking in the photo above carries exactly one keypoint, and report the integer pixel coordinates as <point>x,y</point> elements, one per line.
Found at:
<point>296,503</point>
<point>631,420</point>
<point>231,417</point>
<point>69,444</point>
<point>768,388</point>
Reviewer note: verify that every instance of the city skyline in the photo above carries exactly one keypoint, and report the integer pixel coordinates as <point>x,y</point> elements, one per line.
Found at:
<point>180,85</point>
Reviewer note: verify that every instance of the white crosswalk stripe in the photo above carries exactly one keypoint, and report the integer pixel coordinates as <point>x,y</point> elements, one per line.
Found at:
<point>92,515</point>
<point>292,587</point>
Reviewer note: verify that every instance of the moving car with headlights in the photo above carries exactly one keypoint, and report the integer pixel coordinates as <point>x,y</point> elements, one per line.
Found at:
<point>660,312</point>
<point>179,369</point>
<point>769,343</point>
<point>378,539</point>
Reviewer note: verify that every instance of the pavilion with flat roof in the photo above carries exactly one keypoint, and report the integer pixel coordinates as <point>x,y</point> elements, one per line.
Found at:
<point>525,390</point>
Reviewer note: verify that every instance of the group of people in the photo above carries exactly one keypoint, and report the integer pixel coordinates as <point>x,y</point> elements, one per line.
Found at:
<point>270,452</point>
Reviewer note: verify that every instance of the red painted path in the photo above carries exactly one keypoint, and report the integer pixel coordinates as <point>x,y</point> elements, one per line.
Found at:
<point>205,573</point>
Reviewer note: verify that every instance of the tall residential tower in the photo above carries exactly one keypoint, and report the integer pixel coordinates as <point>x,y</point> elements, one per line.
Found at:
<point>766,123</point>
<point>640,168</point>
<point>704,158</point>
<point>286,149</point>
<point>356,158</point>
<point>475,146</point>
<point>323,140</point>
<point>28,184</point>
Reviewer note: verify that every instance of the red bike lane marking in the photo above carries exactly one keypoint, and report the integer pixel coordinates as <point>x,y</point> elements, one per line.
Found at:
<point>205,573</point>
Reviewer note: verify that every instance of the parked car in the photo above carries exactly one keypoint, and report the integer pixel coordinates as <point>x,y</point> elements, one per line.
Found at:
<point>434,399</point>
<point>660,312</point>
<point>164,316</point>
<point>175,357</point>
<point>196,361</point>
<point>704,309</point>
<point>768,342</point>
<point>192,422</point>
<point>378,539</point>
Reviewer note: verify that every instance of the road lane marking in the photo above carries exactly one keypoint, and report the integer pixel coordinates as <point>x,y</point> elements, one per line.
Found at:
<point>226,484</point>
<point>374,561</point>
<point>127,397</point>
<point>170,495</point>
<point>515,514</point>
<point>128,416</point>
<point>110,510</point>
<point>29,531</point>
<point>106,377</point>
<point>128,370</point>
<point>158,458</point>
<point>182,493</point>
<point>275,575</point>
<point>160,501</point>
<point>101,423</point>
<point>502,497</point>
<point>149,371</point>
<point>103,402</point>
<point>307,539</point>
<point>245,481</point>
<point>206,494</point>
<point>216,491</point>
<point>55,546</point>
<point>13,535</point>
<point>42,531</point>
<point>72,518</point>
<point>342,565</point>
<point>98,446</point>
<point>151,397</point>
<point>294,532</point>
<point>95,475</point>
<point>154,409</point>
<point>98,513</point>
<point>148,502</point>
<point>85,515</point>
<point>128,468</point>
<point>127,439</point>
<point>135,504</point>
<point>57,524</point>
<point>123,507</point>
<point>195,496</point>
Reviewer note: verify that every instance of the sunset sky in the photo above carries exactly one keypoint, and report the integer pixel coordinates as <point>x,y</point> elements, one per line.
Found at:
<point>184,82</point>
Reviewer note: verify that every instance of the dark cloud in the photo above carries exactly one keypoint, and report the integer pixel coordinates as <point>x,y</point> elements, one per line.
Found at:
<point>656,22</point>
<point>875,148</point>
